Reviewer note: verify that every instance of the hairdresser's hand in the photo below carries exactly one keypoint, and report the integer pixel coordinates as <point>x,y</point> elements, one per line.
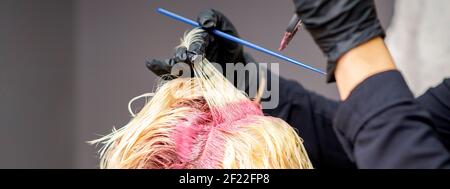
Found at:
<point>338,26</point>
<point>215,49</point>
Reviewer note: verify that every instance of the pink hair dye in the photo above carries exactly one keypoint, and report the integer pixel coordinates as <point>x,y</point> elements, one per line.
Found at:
<point>197,142</point>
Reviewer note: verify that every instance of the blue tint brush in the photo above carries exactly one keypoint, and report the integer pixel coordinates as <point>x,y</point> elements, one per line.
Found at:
<point>238,40</point>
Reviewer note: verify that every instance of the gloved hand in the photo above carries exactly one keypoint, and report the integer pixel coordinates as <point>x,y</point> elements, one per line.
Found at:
<point>161,68</point>
<point>215,49</point>
<point>338,26</point>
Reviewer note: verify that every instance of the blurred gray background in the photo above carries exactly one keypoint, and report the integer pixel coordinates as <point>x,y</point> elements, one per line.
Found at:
<point>68,68</point>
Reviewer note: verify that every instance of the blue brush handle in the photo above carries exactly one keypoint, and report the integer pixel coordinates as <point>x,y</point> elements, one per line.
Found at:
<point>238,40</point>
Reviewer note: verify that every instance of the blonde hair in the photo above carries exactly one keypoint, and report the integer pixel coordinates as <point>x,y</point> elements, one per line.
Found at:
<point>202,122</point>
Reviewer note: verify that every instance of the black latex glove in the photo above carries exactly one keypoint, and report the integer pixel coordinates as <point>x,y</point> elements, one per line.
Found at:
<point>161,68</point>
<point>215,49</point>
<point>338,26</point>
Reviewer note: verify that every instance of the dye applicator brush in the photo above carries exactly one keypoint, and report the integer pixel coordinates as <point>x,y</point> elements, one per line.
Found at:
<point>294,25</point>
<point>239,41</point>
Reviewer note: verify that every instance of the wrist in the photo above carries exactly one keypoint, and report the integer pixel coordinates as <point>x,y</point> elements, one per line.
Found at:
<point>360,63</point>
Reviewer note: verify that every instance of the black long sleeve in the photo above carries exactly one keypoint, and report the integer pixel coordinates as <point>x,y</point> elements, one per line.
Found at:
<point>437,102</point>
<point>381,125</point>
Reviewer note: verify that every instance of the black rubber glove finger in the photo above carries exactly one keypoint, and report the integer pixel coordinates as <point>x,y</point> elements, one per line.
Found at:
<point>161,68</point>
<point>199,47</point>
<point>181,55</point>
<point>208,19</point>
<point>213,19</point>
<point>220,50</point>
